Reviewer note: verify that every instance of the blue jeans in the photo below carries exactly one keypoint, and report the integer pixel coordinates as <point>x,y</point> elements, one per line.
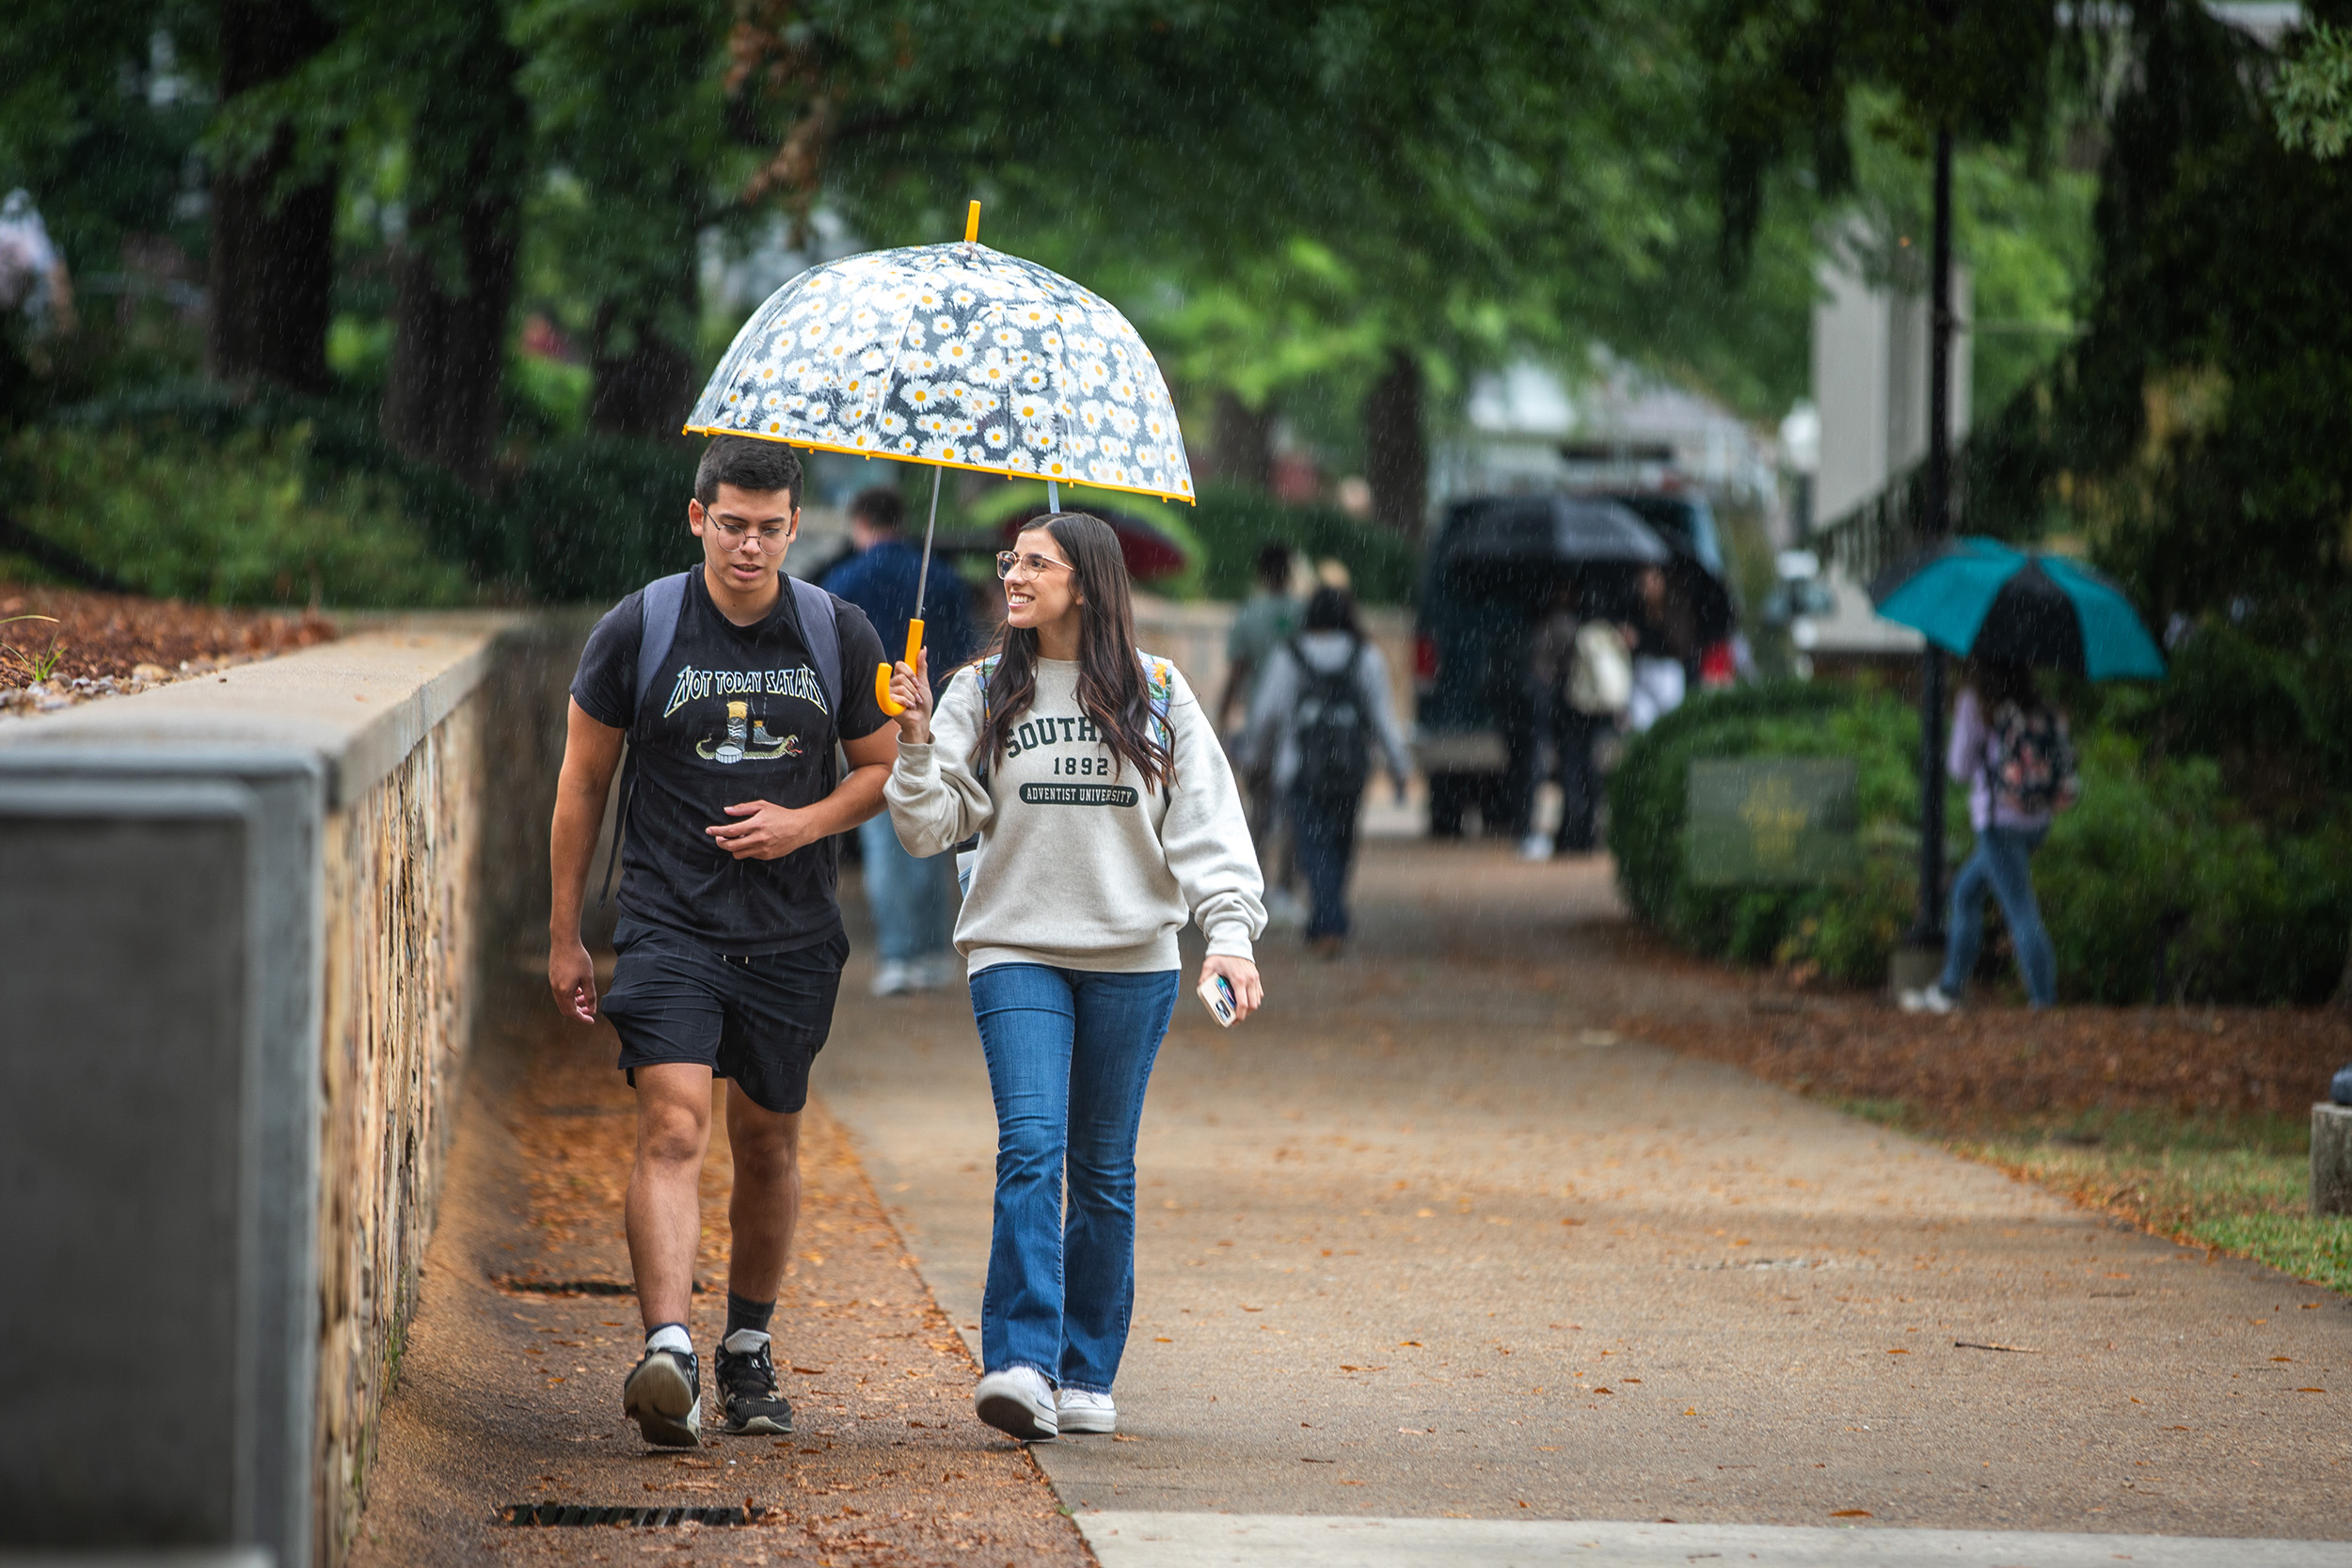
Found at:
<point>2003,863</point>
<point>1325,832</point>
<point>1069,1055</point>
<point>912,914</point>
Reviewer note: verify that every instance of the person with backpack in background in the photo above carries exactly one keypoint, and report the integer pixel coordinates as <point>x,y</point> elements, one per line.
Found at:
<point>1106,818</point>
<point>1268,620</point>
<point>1322,707</point>
<point>729,683</point>
<point>1583,678</point>
<point>911,898</point>
<point>2012,749</point>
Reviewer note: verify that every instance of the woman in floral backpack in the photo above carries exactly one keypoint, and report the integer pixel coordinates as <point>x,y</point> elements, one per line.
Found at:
<point>2010,748</point>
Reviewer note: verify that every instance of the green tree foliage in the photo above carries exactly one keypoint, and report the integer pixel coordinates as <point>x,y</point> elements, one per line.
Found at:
<point>2313,94</point>
<point>1785,77</point>
<point>2206,415</point>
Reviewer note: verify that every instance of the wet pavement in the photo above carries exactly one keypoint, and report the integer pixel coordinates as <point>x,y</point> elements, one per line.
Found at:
<point>1429,1237</point>
<point>1429,1246</point>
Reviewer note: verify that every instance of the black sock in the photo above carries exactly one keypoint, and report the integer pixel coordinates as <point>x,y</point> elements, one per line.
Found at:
<point>754,1315</point>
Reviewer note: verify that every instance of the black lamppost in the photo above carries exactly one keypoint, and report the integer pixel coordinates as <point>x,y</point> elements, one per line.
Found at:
<point>1927,925</point>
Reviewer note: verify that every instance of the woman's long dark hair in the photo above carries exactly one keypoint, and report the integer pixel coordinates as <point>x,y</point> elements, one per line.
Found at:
<point>1111,689</point>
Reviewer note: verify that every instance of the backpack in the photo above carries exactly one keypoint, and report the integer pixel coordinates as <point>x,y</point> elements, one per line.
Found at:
<point>1331,729</point>
<point>1601,681</point>
<point>2029,761</point>
<point>663,606</point>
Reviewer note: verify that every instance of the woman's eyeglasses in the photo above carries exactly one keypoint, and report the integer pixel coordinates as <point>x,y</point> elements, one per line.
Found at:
<point>1033,564</point>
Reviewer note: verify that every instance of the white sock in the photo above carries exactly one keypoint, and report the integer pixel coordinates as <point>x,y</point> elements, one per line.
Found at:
<point>670,1336</point>
<point>744,1341</point>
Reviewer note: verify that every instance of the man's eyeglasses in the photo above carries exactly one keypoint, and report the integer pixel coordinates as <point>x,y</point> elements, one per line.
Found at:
<point>770,539</point>
<point>1031,563</point>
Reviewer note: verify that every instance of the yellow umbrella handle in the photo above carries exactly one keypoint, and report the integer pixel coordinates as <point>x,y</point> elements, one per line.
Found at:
<point>881,675</point>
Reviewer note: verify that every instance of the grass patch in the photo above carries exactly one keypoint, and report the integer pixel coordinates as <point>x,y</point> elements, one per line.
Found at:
<point>2240,1183</point>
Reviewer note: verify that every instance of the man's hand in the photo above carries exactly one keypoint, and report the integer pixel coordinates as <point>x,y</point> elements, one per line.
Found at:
<point>767,832</point>
<point>572,975</point>
<point>1240,974</point>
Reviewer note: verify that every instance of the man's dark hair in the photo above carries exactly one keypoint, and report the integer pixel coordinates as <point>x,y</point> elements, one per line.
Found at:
<point>765,467</point>
<point>1274,566</point>
<point>879,506</point>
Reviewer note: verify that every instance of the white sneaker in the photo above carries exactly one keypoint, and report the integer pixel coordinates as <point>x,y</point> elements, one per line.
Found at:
<point>1082,1413</point>
<point>1931,1000</point>
<point>1535,847</point>
<point>896,978</point>
<point>1017,1400</point>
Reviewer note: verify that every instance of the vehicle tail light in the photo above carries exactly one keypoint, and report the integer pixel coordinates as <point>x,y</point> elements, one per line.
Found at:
<point>1716,665</point>
<point>1424,659</point>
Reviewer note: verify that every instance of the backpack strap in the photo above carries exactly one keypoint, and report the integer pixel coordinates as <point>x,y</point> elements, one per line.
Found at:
<point>661,606</point>
<point>664,604</point>
<point>820,628</point>
<point>1160,682</point>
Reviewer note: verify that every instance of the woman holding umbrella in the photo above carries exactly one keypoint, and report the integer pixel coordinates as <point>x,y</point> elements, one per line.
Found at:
<point>1106,817</point>
<point>2009,611</point>
<point>2012,749</point>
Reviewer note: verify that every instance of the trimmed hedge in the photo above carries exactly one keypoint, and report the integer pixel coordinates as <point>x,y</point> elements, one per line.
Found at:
<point>2158,862</point>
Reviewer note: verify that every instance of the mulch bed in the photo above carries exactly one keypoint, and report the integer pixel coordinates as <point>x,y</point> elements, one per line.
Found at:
<point>1999,1062</point>
<point>109,644</point>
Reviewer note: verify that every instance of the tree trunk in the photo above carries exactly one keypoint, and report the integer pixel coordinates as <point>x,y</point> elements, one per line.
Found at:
<point>1244,454</point>
<point>273,245</point>
<point>1396,450</point>
<point>644,385</point>
<point>456,267</point>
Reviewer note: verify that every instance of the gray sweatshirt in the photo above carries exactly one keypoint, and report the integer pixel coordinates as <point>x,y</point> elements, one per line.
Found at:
<point>1079,867</point>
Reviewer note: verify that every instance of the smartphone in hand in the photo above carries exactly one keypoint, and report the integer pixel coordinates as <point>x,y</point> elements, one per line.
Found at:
<point>1217,996</point>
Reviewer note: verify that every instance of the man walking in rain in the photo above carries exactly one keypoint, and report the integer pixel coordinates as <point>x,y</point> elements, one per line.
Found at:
<point>728,683</point>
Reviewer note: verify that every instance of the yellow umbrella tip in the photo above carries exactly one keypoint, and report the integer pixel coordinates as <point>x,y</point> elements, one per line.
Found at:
<point>972,224</point>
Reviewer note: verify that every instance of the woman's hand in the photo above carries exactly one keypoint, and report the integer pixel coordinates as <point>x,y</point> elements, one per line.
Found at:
<point>1240,974</point>
<point>911,688</point>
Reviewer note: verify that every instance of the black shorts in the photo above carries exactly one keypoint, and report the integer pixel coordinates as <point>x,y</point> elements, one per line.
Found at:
<point>760,1021</point>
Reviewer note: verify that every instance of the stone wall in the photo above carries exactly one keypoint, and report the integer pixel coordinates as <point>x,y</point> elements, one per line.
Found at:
<point>289,895</point>
<point>401,885</point>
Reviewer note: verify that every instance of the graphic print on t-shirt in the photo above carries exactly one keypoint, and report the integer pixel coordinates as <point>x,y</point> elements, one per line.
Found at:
<point>736,715</point>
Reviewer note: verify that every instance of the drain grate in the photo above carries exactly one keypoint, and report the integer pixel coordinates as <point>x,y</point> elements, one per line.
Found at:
<point>582,1513</point>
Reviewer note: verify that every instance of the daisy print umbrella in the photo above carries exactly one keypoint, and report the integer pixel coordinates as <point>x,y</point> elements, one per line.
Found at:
<point>958,356</point>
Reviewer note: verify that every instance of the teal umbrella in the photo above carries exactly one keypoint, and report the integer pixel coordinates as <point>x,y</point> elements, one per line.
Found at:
<point>1984,599</point>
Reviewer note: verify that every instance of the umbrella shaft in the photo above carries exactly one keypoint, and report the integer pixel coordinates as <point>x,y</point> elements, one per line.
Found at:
<point>1053,497</point>
<point>923,580</point>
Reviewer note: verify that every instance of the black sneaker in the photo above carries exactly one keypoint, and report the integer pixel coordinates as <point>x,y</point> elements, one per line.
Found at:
<point>747,1391</point>
<point>664,1397</point>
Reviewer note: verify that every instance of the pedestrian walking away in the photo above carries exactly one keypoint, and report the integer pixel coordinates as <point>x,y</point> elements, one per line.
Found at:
<point>1584,680</point>
<point>1260,628</point>
<point>912,899</point>
<point>1104,817</point>
<point>727,682</point>
<point>2012,749</point>
<point>1322,709</point>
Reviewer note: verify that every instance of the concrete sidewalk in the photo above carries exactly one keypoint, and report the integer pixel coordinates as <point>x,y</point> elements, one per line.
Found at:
<point>1425,1241</point>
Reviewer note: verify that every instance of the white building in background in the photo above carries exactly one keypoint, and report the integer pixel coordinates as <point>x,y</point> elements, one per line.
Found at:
<point>1870,384</point>
<point>1524,430</point>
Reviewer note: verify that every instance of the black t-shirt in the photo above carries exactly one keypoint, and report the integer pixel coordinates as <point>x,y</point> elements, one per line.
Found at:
<point>737,714</point>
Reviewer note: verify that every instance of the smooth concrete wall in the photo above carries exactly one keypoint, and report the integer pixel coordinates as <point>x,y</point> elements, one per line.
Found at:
<point>246,925</point>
